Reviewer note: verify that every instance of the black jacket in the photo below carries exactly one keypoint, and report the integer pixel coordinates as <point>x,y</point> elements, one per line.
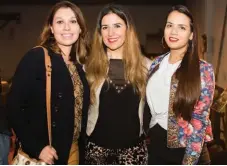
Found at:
<point>27,105</point>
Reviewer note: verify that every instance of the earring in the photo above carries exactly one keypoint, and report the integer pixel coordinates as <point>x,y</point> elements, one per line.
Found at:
<point>162,41</point>
<point>190,45</point>
<point>52,36</point>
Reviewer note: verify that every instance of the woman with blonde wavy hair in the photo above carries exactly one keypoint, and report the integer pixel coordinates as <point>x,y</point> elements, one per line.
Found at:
<point>117,75</point>
<point>64,36</point>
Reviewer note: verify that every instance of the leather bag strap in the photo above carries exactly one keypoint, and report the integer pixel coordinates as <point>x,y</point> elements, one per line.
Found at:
<point>48,92</point>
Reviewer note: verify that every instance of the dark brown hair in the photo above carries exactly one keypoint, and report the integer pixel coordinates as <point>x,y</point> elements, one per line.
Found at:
<point>80,48</point>
<point>188,74</point>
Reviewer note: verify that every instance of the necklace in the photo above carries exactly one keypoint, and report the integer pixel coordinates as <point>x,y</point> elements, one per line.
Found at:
<point>119,87</point>
<point>116,75</point>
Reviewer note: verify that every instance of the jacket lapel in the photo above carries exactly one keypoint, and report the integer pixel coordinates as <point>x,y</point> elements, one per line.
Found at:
<point>173,129</point>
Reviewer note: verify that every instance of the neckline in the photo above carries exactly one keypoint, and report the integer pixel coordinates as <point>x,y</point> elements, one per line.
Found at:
<point>171,64</point>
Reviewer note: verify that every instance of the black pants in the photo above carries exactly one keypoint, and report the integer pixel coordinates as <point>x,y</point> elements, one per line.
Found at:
<point>160,154</point>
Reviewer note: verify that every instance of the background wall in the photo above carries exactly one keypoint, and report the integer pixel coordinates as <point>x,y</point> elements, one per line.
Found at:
<point>210,17</point>
<point>218,14</point>
<point>16,39</point>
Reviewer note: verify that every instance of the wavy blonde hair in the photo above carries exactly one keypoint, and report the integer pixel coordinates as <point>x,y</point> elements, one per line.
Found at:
<point>98,63</point>
<point>80,48</point>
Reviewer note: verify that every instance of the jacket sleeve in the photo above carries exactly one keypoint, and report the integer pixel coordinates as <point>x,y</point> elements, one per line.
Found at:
<point>18,102</point>
<point>200,116</point>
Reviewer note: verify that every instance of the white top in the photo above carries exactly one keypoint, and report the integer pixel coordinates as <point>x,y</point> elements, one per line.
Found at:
<point>158,92</point>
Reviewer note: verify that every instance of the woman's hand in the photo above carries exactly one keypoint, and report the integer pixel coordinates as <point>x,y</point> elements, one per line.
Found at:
<point>48,154</point>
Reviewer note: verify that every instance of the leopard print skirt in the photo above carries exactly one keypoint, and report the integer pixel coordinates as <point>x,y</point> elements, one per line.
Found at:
<point>97,155</point>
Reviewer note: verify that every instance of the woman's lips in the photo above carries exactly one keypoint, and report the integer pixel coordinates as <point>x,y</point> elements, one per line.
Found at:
<point>173,39</point>
<point>112,40</point>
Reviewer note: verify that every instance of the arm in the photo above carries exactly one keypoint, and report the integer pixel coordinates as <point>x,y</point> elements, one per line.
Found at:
<point>200,116</point>
<point>18,102</point>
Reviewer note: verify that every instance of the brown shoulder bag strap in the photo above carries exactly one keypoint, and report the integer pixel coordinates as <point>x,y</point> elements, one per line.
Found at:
<point>48,92</point>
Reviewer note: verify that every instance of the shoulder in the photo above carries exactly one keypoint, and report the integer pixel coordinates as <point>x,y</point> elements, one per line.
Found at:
<point>205,66</point>
<point>33,55</point>
<point>207,74</point>
<point>147,62</point>
<point>158,59</point>
<point>31,59</point>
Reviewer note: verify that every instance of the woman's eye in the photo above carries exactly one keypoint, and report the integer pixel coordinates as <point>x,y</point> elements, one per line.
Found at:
<point>103,28</point>
<point>59,22</point>
<point>117,26</point>
<point>74,21</point>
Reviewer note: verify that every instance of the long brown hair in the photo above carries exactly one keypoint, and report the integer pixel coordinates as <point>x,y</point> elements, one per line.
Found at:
<point>188,74</point>
<point>80,48</point>
<point>98,63</point>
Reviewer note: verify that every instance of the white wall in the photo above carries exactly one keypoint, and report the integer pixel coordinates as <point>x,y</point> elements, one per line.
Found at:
<point>16,39</point>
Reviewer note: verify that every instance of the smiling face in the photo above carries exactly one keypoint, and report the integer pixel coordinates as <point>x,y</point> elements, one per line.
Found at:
<point>65,27</point>
<point>113,31</point>
<point>177,31</point>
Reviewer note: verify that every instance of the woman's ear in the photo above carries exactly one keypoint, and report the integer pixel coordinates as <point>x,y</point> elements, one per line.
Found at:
<point>191,36</point>
<point>51,28</point>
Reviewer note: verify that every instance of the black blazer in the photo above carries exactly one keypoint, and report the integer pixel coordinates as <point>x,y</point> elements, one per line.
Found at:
<point>27,105</point>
